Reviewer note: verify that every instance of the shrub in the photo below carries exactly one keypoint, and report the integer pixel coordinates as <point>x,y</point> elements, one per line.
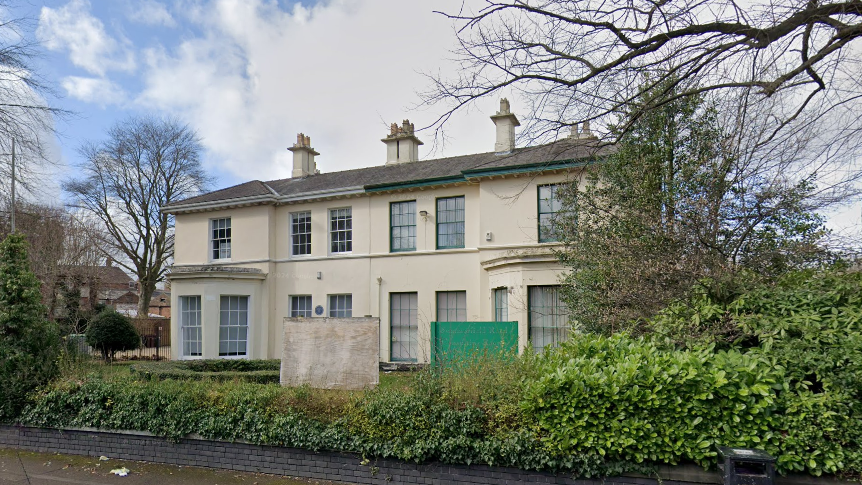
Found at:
<point>378,424</point>
<point>29,344</point>
<point>259,371</point>
<point>110,332</point>
<point>809,323</point>
<point>629,400</point>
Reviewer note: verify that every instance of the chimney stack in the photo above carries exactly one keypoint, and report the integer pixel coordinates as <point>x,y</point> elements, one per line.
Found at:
<point>401,144</point>
<point>506,122</point>
<point>303,157</point>
<point>584,134</point>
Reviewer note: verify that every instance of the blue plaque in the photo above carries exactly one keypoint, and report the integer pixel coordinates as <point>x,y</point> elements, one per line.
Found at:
<point>318,310</point>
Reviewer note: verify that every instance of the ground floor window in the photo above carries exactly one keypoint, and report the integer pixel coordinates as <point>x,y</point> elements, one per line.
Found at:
<point>501,305</point>
<point>233,326</point>
<point>190,323</point>
<point>451,306</point>
<point>548,317</point>
<point>341,306</point>
<point>404,326</point>
<point>300,306</point>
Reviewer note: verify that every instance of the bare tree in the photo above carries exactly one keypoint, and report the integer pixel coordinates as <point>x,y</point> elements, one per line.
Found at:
<point>24,113</point>
<point>64,250</point>
<point>144,164</point>
<point>580,60</point>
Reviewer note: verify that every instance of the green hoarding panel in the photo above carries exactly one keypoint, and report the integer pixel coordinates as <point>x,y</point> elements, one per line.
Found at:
<point>457,340</point>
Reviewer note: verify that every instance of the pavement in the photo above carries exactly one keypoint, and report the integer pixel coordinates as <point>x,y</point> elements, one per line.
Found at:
<point>27,468</point>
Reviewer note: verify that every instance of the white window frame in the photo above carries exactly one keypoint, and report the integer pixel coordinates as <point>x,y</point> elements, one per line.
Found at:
<point>343,303</point>
<point>184,312</point>
<point>500,307</point>
<point>248,321</point>
<point>332,232</point>
<point>292,308</point>
<point>212,240</point>
<point>292,234</point>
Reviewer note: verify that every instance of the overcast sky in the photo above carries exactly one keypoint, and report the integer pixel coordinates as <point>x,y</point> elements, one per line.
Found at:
<point>248,75</point>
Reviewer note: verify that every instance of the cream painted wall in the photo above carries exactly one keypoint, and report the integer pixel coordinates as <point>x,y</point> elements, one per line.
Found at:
<point>512,258</point>
<point>250,230</point>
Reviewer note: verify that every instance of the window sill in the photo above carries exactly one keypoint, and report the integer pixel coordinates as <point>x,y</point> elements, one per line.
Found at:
<point>222,260</point>
<point>412,250</point>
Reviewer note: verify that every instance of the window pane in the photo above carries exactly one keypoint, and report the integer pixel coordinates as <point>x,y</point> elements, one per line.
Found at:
<point>403,224</point>
<point>220,238</point>
<point>548,317</point>
<point>233,325</point>
<point>450,222</point>
<point>404,326</point>
<point>451,306</point>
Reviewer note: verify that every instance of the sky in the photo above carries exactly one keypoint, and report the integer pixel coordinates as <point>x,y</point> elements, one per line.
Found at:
<point>248,75</point>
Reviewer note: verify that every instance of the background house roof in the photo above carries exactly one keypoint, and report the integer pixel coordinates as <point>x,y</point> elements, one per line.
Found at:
<point>566,150</point>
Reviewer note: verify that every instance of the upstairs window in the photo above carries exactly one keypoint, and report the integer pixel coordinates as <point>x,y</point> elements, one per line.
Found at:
<point>450,222</point>
<point>341,230</point>
<point>549,206</point>
<point>402,222</point>
<point>300,233</point>
<point>300,306</point>
<point>341,306</point>
<point>220,240</point>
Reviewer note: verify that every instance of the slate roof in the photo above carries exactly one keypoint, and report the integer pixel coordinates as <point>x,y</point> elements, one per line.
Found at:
<point>559,151</point>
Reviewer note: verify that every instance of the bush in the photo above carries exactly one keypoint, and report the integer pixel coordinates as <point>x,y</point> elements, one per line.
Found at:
<point>110,332</point>
<point>809,323</point>
<point>378,424</point>
<point>629,400</point>
<point>29,344</point>
<point>258,371</point>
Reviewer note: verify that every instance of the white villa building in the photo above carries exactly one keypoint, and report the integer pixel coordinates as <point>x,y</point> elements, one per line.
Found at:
<point>463,239</point>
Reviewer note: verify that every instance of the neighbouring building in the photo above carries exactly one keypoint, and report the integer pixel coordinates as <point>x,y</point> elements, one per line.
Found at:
<point>109,285</point>
<point>465,238</point>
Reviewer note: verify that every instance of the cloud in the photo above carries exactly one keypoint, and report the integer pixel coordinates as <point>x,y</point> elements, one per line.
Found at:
<point>72,27</point>
<point>150,12</point>
<point>254,75</point>
<point>93,90</point>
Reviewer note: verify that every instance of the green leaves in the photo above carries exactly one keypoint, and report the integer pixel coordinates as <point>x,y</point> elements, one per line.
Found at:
<point>29,344</point>
<point>632,401</point>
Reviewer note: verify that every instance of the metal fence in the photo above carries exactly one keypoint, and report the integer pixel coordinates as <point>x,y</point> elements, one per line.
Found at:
<point>155,341</point>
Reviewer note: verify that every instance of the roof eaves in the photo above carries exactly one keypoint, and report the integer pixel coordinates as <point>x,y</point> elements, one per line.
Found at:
<point>218,204</point>
<point>415,183</point>
<point>527,168</point>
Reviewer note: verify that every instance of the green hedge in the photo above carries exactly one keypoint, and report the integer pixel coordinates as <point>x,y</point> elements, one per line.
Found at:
<point>382,424</point>
<point>256,371</point>
<point>632,401</point>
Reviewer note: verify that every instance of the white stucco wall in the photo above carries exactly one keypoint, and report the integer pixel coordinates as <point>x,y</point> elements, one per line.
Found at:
<point>506,207</point>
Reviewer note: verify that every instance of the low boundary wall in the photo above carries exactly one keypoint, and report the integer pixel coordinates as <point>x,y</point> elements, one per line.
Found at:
<point>337,467</point>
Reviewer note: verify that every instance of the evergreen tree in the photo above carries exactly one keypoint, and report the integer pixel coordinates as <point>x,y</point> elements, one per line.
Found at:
<point>29,343</point>
<point>678,202</point>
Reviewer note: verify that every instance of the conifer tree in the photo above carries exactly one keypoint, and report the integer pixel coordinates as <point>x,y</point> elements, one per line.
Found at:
<point>29,343</point>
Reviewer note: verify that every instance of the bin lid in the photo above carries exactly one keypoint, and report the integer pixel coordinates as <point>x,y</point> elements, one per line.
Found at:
<point>745,454</point>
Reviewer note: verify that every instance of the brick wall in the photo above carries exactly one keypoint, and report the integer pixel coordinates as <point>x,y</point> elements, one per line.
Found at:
<point>338,467</point>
